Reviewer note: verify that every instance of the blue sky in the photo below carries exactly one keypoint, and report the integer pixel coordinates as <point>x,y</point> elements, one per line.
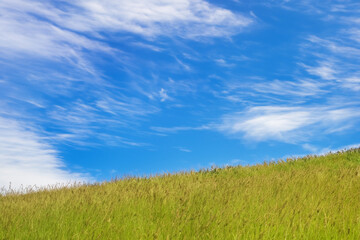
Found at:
<point>92,89</point>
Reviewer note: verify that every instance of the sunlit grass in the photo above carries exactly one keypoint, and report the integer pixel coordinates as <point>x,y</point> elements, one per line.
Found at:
<point>308,198</point>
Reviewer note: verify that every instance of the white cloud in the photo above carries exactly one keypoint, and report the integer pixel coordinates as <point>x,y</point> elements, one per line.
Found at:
<point>27,159</point>
<point>147,46</point>
<point>337,45</point>
<point>24,35</point>
<point>163,95</point>
<point>287,124</point>
<point>355,33</point>
<point>79,120</point>
<point>182,149</point>
<point>125,106</point>
<point>337,56</point>
<point>302,88</point>
<point>322,7</point>
<point>182,64</point>
<point>70,31</point>
<point>179,129</point>
<point>150,18</point>
<point>28,35</point>
<point>352,83</point>
<point>331,149</point>
<point>325,70</point>
<point>184,18</point>
<point>223,63</point>
<point>311,148</point>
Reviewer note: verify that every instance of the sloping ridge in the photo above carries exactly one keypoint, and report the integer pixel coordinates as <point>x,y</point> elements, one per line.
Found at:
<point>314,197</point>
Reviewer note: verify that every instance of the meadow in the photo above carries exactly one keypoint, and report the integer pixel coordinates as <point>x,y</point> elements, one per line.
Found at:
<point>314,197</point>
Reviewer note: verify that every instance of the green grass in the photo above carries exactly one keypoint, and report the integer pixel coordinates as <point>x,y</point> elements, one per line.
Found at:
<point>308,198</point>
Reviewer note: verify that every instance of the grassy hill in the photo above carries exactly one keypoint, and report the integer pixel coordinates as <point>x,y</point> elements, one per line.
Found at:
<point>307,198</point>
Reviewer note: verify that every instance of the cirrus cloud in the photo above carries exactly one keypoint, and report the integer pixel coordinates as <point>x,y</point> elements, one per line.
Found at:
<point>27,159</point>
<point>287,124</point>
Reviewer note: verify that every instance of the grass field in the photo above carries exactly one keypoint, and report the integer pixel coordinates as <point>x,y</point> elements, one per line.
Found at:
<point>308,198</point>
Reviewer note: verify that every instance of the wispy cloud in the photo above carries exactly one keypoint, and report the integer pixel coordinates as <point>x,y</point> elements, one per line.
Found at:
<point>163,95</point>
<point>184,18</point>
<point>70,32</point>
<point>224,63</point>
<point>80,121</point>
<point>183,149</point>
<point>309,147</point>
<point>179,129</point>
<point>315,7</point>
<point>330,149</point>
<point>337,45</point>
<point>25,34</point>
<point>260,91</point>
<point>147,46</point>
<point>287,124</point>
<point>302,88</point>
<point>352,83</point>
<point>324,70</point>
<point>337,63</point>
<point>331,64</point>
<point>308,102</point>
<point>26,158</point>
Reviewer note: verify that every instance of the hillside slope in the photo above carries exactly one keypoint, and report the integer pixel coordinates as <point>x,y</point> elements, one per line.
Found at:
<point>308,198</point>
